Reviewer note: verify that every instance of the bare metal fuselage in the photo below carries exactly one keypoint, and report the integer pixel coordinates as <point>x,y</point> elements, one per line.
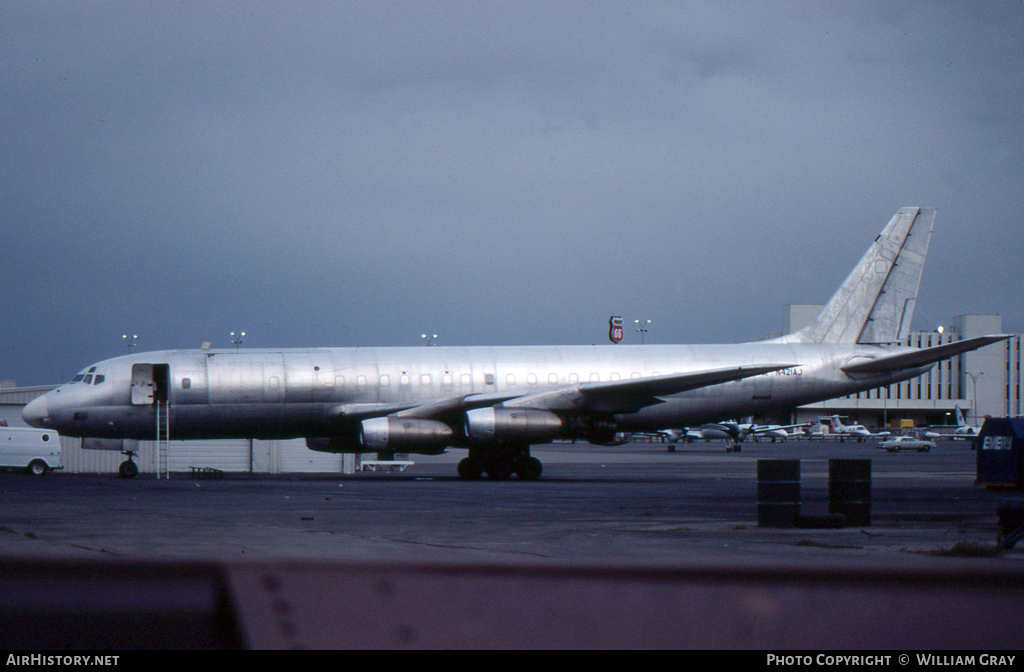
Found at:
<point>318,392</point>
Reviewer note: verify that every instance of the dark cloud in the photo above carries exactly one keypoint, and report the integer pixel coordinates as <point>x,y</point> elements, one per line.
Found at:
<point>359,173</point>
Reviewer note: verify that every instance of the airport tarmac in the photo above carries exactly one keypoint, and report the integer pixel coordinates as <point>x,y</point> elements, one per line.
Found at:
<point>635,503</point>
<point>614,547</point>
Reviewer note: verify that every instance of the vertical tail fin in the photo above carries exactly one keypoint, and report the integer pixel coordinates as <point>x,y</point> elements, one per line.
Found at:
<point>876,302</point>
<point>960,422</point>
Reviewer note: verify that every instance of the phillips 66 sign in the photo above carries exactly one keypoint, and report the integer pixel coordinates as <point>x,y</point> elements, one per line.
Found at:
<point>615,328</point>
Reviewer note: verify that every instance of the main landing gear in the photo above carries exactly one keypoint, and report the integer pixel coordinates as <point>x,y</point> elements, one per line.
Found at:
<point>500,463</point>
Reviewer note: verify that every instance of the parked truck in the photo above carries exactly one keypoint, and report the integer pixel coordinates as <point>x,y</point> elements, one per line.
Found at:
<point>34,451</point>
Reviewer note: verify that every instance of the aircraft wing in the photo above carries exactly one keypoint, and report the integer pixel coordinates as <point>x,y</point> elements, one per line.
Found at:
<point>617,396</point>
<point>435,409</point>
<point>922,357</point>
<point>764,429</point>
<point>628,396</point>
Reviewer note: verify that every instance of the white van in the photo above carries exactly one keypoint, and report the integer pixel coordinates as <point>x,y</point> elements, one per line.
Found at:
<point>34,450</point>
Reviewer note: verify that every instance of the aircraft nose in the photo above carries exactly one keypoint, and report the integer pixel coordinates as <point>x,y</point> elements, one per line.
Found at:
<point>36,412</point>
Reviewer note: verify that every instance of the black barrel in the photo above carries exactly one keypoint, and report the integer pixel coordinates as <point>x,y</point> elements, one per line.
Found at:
<point>849,490</point>
<point>778,493</point>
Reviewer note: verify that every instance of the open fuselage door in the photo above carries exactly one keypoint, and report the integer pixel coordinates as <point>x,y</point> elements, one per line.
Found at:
<point>149,388</point>
<point>149,384</point>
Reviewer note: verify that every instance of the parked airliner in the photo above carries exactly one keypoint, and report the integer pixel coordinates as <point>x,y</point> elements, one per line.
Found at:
<point>497,401</point>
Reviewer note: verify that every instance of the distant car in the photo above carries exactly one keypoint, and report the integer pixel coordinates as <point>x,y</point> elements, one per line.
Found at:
<point>899,443</point>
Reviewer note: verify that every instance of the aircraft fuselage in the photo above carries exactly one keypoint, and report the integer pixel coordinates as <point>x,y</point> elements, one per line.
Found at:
<point>319,392</point>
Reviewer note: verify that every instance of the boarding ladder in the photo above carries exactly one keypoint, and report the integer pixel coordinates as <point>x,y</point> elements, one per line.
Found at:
<point>163,439</point>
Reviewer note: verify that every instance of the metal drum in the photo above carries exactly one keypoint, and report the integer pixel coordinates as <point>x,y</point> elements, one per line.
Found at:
<point>849,490</point>
<point>778,493</point>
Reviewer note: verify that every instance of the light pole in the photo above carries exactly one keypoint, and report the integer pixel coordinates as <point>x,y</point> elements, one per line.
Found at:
<point>974,380</point>
<point>429,338</point>
<point>129,341</point>
<point>237,340</point>
<point>642,328</point>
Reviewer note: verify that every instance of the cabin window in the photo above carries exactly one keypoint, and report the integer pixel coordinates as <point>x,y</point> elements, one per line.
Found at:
<point>274,382</point>
<point>186,383</point>
<point>635,374</point>
<point>615,376</point>
<point>466,379</point>
<point>532,379</point>
<point>46,437</point>
<point>361,381</point>
<point>339,381</point>
<point>510,379</point>
<point>425,380</point>
<point>574,378</point>
<point>98,379</point>
<point>446,379</point>
<point>386,380</point>
<point>489,378</point>
<point>553,378</point>
<point>594,377</point>
<point>404,380</point>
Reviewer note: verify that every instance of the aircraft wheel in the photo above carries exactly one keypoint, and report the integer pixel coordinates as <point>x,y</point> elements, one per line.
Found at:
<point>128,469</point>
<point>529,469</point>
<point>469,469</point>
<point>36,468</point>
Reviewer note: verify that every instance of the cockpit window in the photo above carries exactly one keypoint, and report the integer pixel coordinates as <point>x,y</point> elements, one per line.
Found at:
<point>78,378</point>
<point>91,369</point>
<point>87,379</point>
<point>99,379</point>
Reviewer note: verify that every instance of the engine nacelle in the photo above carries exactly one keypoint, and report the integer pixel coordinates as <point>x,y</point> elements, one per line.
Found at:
<point>411,435</point>
<point>484,425</point>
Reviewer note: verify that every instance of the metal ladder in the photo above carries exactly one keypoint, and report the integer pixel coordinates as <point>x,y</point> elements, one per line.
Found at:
<point>163,438</point>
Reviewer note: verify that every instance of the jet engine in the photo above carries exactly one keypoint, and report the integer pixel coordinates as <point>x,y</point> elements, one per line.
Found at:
<point>484,425</point>
<point>413,435</point>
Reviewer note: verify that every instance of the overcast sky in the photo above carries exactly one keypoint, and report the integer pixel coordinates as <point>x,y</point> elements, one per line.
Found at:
<point>494,172</point>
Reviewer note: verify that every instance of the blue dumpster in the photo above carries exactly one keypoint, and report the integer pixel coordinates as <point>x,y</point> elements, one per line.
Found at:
<point>1000,453</point>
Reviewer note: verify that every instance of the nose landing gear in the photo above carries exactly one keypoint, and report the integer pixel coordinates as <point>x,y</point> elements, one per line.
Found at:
<point>128,468</point>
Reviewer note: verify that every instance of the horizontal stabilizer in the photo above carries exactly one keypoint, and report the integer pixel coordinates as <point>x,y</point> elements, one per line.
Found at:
<point>918,358</point>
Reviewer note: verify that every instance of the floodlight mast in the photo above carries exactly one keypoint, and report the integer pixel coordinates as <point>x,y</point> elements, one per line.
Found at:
<point>642,328</point>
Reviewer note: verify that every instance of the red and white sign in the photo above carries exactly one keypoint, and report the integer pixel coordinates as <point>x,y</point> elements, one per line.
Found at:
<point>615,332</point>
